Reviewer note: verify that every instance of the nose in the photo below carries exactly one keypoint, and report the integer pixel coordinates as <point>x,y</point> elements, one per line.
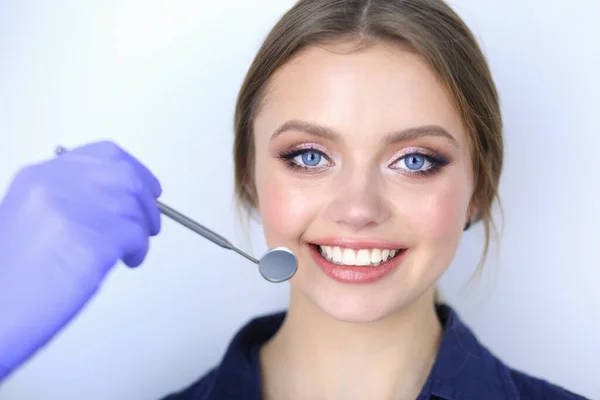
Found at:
<point>359,204</point>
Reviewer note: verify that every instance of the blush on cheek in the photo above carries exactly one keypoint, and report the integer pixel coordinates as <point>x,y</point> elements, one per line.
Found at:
<point>285,211</point>
<point>441,215</point>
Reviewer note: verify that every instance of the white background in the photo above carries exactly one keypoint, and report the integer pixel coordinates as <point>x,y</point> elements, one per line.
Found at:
<point>161,77</point>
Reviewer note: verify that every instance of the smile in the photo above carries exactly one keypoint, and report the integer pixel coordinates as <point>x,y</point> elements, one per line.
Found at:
<point>357,257</point>
<point>357,262</point>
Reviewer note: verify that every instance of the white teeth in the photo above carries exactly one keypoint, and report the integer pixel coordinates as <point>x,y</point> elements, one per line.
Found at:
<point>357,257</point>
<point>363,257</point>
<point>336,255</point>
<point>349,257</point>
<point>376,256</point>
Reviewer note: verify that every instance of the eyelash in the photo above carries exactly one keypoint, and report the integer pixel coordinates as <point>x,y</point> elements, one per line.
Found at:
<point>437,161</point>
<point>288,158</point>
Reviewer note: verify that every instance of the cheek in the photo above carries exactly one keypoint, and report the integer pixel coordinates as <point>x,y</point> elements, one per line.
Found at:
<point>445,215</point>
<point>286,207</point>
<point>440,215</point>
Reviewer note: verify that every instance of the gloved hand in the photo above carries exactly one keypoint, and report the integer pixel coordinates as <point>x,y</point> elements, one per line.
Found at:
<point>64,224</point>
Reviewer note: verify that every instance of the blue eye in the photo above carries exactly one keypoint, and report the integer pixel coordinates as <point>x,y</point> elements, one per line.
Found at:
<point>414,162</point>
<point>311,158</point>
<point>308,159</point>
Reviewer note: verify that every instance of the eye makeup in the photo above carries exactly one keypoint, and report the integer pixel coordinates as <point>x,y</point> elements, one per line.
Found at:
<point>305,158</point>
<point>414,160</point>
<point>417,162</point>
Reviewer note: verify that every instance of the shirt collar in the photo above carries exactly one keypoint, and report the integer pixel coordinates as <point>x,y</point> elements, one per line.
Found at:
<point>463,369</point>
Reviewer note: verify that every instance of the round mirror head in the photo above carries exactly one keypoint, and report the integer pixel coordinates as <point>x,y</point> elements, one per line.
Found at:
<point>278,265</point>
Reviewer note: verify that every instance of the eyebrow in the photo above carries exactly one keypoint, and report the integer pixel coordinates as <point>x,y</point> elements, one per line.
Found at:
<point>392,137</point>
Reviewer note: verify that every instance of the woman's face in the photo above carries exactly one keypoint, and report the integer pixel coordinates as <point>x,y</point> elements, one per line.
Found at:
<point>363,170</point>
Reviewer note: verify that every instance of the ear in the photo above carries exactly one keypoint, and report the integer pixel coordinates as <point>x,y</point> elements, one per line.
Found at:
<point>472,214</point>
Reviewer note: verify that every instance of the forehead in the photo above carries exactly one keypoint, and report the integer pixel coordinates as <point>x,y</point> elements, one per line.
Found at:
<point>373,90</point>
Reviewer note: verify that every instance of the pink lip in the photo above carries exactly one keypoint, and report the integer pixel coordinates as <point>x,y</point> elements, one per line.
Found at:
<point>355,274</point>
<point>359,243</point>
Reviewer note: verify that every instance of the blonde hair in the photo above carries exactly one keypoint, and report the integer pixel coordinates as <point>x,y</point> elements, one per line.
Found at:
<point>430,28</point>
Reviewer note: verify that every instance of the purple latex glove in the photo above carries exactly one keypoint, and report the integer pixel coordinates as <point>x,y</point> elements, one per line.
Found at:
<point>64,224</point>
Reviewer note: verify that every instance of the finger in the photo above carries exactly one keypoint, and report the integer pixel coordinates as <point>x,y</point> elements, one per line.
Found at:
<point>145,198</point>
<point>133,241</point>
<point>137,250</point>
<point>151,211</point>
<point>124,224</point>
<point>102,171</point>
<point>149,179</point>
<point>107,150</point>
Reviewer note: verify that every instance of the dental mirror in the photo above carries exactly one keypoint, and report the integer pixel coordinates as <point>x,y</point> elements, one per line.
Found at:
<point>277,265</point>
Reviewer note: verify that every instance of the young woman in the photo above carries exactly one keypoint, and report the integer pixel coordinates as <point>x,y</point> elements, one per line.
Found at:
<point>368,137</point>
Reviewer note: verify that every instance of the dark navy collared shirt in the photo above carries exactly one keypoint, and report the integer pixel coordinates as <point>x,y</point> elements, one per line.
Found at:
<point>463,369</point>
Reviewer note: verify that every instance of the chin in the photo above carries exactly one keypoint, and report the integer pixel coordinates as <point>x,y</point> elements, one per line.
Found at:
<point>355,310</point>
<point>362,305</point>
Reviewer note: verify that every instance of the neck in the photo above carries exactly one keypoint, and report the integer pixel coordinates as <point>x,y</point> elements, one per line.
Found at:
<point>315,356</point>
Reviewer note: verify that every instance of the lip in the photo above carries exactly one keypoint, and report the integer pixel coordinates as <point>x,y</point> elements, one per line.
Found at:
<point>356,274</point>
<point>359,243</point>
